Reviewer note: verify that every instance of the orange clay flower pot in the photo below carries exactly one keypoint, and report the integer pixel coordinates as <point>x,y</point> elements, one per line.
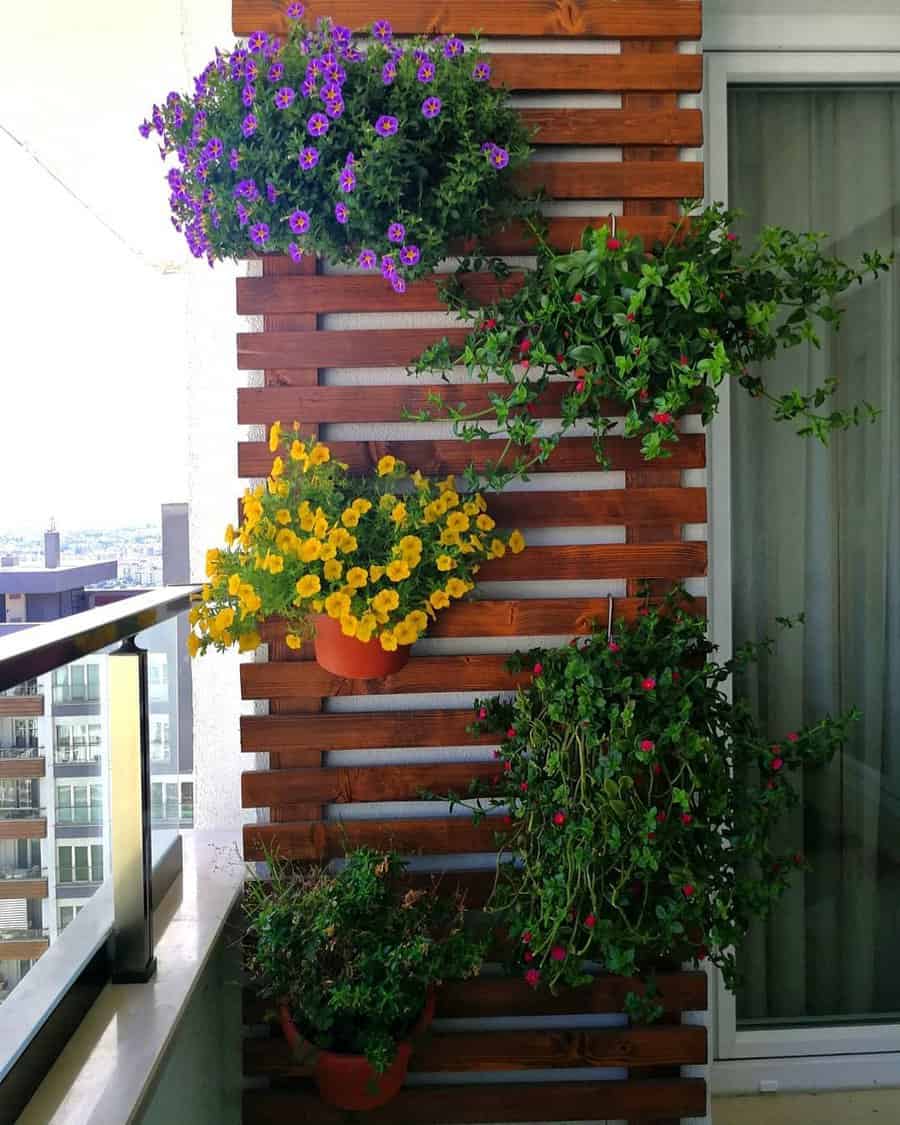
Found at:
<point>348,1081</point>
<point>350,658</point>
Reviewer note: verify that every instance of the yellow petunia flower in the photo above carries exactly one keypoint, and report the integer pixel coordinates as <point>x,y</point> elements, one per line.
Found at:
<point>398,515</point>
<point>234,584</point>
<point>387,465</point>
<point>470,508</point>
<point>456,587</point>
<point>277,468</point>
<point>194,613</point>
<point>317,605</point>
<point>449,538</point>
<point>349,545</point>
<point>485,523</point>
<point>445,563</point>
<point>458,521</point>
<point>320,527</point>
<point>333,570</point>
<point>361,505</point>
<point>350,518</point>
<point>274,437</point>
<point>286,541</point>
<point>329,550</point>
<point>364,631</point>
<point>388,641</point>
<point>298,453</point>
<point>448,484</point>
<point>419,481</point>
<point>310,550</point>
<point>319,454</point>
<point>336,605</point>
<point>375,572</point>
<point>357,578</point>
<point>418,620</point>
<point>439,599</point>
<point>308,585</point>
<point>385,601</point>
<point>249,641</point>
<point>276,564</point>
<point>405,634</point>
<point>516,543</point>
<point>398,570</point>
<point>293,641</point>
<point>250,600</point>
<point>283,516</point>
<point>230,535</point>
<point>212,563</point>
<point>411,544</point>
<point>498,549</point>
<point>349,625</point>
<point>193,644</point>
<point>451,499</point>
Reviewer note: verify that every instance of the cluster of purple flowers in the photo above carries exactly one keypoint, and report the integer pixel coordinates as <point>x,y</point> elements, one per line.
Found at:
<point>202,193</point>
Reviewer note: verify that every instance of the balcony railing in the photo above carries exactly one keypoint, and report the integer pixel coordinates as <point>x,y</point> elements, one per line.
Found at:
<point>112,938</point>
<point>11,752</point>
<point>23,872</point>
<point>29,687</point>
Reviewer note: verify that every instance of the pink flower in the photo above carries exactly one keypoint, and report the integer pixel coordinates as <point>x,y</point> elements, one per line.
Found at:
<point>686,818</point>
<point>590,921</point>
<point>507,767</point>
<point>731,237</point>
<point>526,937</point>
<point>532,977</point>
<point>482,713</point>
<point>578,298</point>
<point>613,244</point>
<point>558,953</point>
<point>525,346</point>
<point>683,360</point>
<point>661,818</point>
<point>612,646</point>
<point>630,318</point>
<point>527,956</point>
<point>662,417</point>
<point>579,386</point>
<point>511,733</point>
<point>648,684</point>
<point>507,820</point>
<point>523,786</point>
<point>559,818</point>
<point>648,746</point>
<point>776,764</point>
<point>687,890</point>
<point>793,736</point>
<point>537,669</point>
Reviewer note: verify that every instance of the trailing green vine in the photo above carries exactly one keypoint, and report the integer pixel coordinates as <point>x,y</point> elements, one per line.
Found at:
<point>639,803</point>
<point>645,335</point>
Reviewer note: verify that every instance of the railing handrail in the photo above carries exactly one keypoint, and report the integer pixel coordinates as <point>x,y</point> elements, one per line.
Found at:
<point>41,648</point>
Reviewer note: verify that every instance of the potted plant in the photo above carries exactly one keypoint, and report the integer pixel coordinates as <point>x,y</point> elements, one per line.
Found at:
<point>352,959</point>
<point>647,334</point>
<point>363,562</point>
<point>640,803</point>
<point>378,154</point>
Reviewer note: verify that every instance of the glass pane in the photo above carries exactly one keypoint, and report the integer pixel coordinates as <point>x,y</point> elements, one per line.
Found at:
<point>817,530</point>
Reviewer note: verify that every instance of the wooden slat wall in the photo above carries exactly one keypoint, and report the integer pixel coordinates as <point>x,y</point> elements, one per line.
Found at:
<point>340,373</point>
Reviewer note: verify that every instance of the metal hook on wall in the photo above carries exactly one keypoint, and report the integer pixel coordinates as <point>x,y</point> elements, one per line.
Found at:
<point>612,225</point>
<point>609,622</point>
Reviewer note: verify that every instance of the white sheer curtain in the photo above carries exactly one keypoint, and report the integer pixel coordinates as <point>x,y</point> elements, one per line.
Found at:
<point>818,530</point>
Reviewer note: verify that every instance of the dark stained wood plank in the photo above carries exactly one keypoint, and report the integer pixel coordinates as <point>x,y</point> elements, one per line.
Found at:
<point>372,730</point>
<point>320,840</point>
<point>600,507</point>
<point>480,1051</point>
<point>565,233</point>
<point>465,1104</point>
<point>437,458</point>
<point>350,784</point>
<point>385,347</point>
<point>614,126</point>
<point>23,888</point>
<point>605,560</point>
<point>669,179</point>
<point>614,73</point>
<point>594,19</point>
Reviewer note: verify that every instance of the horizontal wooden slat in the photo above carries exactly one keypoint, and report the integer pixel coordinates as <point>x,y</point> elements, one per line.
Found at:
<point>437,458</point>
<point>34,828</point>
<point>479,1051</point>
<point>348,785</point>
<point>506,996</point>
<point>385,347</point>
<point>320,840</point>
<point>594,19</point>
<point>21,706</point>
<point>564,233</point>
<point>614,73</point>
<point>637,179</point>
<point>604,560</point>
<point>372,730</point>
<point>615,126</point>
<point>464,1104</point>
<point>23,949</point>
<point>22,767</point>
<point>23,888</point>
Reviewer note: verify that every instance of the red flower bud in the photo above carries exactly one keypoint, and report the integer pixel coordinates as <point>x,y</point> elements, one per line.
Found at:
<point>528,956</point>
<point>579,386</point>
<point>630,318</point>
<point>683,360</point>
<point>776,764</point>
<point>496,754</point>
<point>523,785</point>
<point>526,937</point>
<point>507,820</point>
<point>525,345</point>
<point>490,323</point>
<point>578,298</point>
<point>798,859</point>
<point>661,818</point>
<point>687,890</point>
<point>482,712</point>
<point>651,836</point>
<point>590,921</point>
<point>793,736</point>
<point>537,669</point>
<point>648,746</point>
<point>511,733</point>
<point>662,417</point>
<point>560,358</point>
<point>533,978</point>
<point>657,769</point>
<point>648,684</point>
<point>613,244</point>
<point>558,953</point>
<point>643,394</point>
<point>559,818</point>
<point>507,767</point>
<point>612,646</point>
<point>731,237</point>
<point>686,818</point>
<point>531,408</point>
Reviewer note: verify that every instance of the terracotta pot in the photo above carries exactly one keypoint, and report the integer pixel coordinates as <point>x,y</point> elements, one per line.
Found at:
<point>348,1081</point>
<point>350,658</point>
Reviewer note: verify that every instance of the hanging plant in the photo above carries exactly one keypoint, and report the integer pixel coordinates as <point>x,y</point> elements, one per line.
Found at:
<point>645,335</point>
<point>378,155</point>
<point>640,802</point>
<point>372,559</point>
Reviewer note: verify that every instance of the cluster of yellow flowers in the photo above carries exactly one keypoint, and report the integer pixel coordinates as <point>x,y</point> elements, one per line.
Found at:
<point>381,554</point>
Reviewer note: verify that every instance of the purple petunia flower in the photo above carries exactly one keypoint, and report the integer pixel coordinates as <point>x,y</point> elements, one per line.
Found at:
<point>213,148</point>
<point>330,92</point>
<point>347,179</point>
<point>295,252</point>
<point>353,54</point>
<point>335,109</point>
<point>341,36</point>
<point>431,107</point>
<point>481,71</point>
<point>144,129</point>
<point>388,73</point>
<point>388,266</point>
<point>234,158</point>
<point>349,160</point>
<point>396,232</point>
<point>284,97</point>
<point>498,157</point>
<point>272,47</point>
<point>398,284</point>
<point>272,192</point>
<point>276,72</point>
<point>259,233</point>
<point>248,125</point>
<point>314,69</point>
<point>248,94</point>
<point>420,56</point>
<point>453,48</point>
<point>335,73</point>
<point>410,255</point>
<point>299,222</point>
<point>308,88</point>
<point>367,259</point>
<point>294,10</point>
<point>341,212</point>
<point>251,69</point>
<point>382,31</point>
<point>386,126</point>
<point>242,213</point>
<point>308,158</point>
<point>318,125</point>
<point>247,189</point>
<point>425,73</point>
<point>257,41</point>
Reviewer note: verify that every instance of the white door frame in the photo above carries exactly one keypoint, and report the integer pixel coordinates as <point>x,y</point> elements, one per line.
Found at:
<point>812,1057</point>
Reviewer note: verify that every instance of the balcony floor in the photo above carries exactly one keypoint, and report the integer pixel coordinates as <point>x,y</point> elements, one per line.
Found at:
<point>858,1107</point>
